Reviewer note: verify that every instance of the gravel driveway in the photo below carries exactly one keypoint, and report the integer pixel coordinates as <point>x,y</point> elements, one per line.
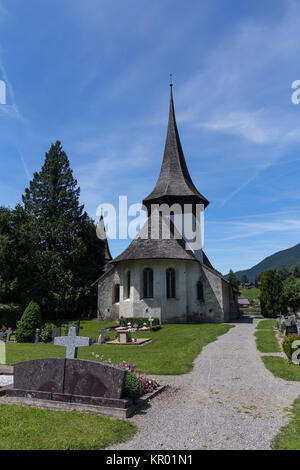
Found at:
<point>229,401</point>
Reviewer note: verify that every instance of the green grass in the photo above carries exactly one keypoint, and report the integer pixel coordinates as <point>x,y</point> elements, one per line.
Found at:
<point>25,428</point>
<point>268,324</point>
<point>289,436</point>
<point>266,341</point>
<point>172,350</point>
<point>280,367</point>
<point>251,294</point>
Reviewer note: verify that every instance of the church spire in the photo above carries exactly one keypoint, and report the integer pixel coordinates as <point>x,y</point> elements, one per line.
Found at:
<point>101,234</point>
<point>174,184</point>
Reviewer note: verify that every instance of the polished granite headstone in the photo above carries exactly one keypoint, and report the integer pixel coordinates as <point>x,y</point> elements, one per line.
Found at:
<point>70,380</point>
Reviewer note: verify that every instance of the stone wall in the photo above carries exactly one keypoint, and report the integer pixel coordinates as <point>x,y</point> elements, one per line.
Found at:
<point>217,306</point>
<point>107,309</point>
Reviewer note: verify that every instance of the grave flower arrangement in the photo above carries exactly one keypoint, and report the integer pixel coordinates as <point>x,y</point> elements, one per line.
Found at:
<point>136,385</point>
<point>147,385</point>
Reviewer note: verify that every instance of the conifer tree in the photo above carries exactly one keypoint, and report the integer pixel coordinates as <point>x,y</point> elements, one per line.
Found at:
<point>272,298</point>
<point>68,256</point>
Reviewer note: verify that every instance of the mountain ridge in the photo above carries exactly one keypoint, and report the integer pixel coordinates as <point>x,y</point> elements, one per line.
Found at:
<point>286,258</point>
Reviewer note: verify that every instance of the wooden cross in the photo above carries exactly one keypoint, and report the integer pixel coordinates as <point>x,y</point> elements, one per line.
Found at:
<point>72,342</point>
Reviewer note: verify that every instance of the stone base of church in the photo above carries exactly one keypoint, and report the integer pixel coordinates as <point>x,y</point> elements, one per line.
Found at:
<point>218,305</point>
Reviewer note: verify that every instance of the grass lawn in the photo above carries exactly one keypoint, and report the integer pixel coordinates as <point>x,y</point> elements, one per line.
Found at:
<point>25,428</point>
<point>280,367</point>
<point>172,350</point>
<point>266,341</point>
<point>268,324</point>
<point>251,294</point>
<point>289,436</point>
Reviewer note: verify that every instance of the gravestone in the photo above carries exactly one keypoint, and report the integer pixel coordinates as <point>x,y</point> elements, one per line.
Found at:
<point>125,337</point>
<point>101,339</point>
<point>72,342</point>
<point>291,327</point>
<point>56,332</point>
<point>8,334</point>
<point>60,376</point>
<point>150,320</point>
<point>2,353</point>
<point>78,327</point>
<point>37,335</point>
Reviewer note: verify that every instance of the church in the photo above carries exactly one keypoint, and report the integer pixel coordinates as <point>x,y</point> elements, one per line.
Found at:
<point>167,277</point>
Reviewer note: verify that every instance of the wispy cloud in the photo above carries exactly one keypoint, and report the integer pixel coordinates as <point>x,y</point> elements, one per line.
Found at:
<point>258,225</point>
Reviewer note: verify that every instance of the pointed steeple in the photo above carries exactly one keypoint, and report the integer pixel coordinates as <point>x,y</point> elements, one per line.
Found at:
<point>101,234</point>
<point>174,184</point>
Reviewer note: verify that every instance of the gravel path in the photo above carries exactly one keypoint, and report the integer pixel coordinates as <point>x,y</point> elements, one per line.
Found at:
<point>229,401</point>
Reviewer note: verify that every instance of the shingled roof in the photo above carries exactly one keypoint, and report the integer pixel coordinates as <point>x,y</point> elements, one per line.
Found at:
<point>174,183</point>
<point>150,244</point>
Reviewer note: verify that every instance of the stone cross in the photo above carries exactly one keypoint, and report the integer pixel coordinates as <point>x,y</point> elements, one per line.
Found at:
<point>2,353</point>
<point>72,342</point>
<point>150,320</point>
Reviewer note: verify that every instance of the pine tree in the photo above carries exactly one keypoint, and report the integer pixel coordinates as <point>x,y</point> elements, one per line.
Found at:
<point>68,255</point>
<point>292,292</point>
<point>244,279</point>
<point>272,298</point>
<point>231,277</point>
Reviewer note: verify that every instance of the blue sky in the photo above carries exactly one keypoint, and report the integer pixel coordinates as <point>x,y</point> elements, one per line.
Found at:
<point>94,74</point>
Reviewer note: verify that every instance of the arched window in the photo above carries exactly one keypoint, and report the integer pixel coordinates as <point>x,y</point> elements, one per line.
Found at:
<point>200,291</point>
<point>117,293</point>
<point>148,283</point>
<point>128,285</point>
<point>171,283</point>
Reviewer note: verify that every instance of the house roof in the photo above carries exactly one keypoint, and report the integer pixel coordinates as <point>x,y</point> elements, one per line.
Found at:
<point>174,183</point>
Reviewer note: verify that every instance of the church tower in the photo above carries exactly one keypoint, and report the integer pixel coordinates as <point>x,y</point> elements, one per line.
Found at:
<point>175,187</point>
<point>169,278</point>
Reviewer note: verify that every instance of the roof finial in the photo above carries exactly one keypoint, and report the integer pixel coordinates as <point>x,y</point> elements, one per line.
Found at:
<point>171,80</point>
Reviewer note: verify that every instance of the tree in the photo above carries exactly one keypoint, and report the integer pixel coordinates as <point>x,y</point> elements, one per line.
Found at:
<point>68,257</point>
<point>231,277</point>
<point>283,273</point>
<point>16,254</point>
<point>292,292</point>
<point>295,270</point>
<point>244,279</point>
<point>258,279</point>
<point>272,298</point>
<point>31,319</point>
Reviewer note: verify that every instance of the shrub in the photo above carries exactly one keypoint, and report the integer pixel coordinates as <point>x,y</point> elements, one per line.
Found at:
<point>46,333</point>
<point>156,328</point>
<point>287,345</point>
<point>132,387</point>
<point>9,315</point>
<point>31,319</point>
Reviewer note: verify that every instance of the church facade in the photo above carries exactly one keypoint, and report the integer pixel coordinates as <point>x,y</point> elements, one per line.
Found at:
<point>168,277</point>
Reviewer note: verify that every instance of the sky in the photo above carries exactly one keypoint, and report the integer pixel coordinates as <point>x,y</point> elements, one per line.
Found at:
<point>94,74</point>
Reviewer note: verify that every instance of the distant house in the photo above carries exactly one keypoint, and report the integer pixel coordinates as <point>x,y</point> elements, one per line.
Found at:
<point>243,301</point>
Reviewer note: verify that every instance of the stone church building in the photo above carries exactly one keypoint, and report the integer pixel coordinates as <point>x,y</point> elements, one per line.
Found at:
<point>167,277</point>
